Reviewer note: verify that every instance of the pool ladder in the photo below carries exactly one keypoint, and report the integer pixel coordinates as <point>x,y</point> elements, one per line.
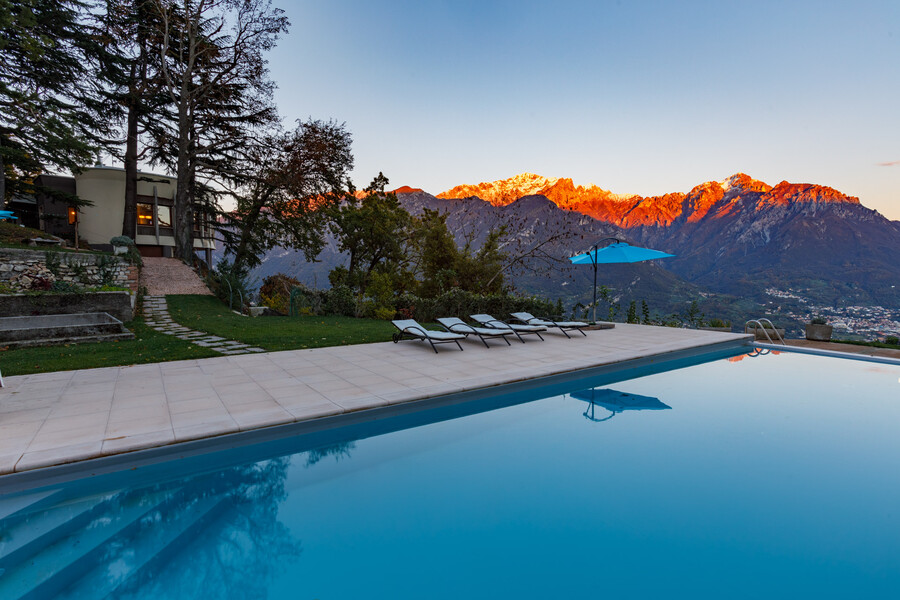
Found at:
<point>760,324</point>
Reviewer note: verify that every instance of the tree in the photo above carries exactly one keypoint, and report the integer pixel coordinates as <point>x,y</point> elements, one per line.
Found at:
<point>436,255</point>
<point>130,67</point>
<point>47,119</point>
<point>298,175</point>
<point>374,231</point>
<point>214,69</point>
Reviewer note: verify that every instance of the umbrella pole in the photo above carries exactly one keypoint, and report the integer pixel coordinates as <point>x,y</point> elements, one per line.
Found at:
<point>595,289</point>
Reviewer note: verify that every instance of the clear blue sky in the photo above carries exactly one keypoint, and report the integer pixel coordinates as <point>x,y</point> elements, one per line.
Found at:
<point>635,96</point>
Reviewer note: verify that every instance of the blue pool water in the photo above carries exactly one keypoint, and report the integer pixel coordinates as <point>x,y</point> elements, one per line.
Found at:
<point>774,476</point>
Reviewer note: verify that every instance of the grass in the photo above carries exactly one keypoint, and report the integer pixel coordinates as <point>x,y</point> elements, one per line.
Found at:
<point>148,346</point>
<point>207,313</point>
<point>13,236</point>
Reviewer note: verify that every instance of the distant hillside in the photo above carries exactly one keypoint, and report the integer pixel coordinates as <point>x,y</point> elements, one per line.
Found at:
<point>733,240</point>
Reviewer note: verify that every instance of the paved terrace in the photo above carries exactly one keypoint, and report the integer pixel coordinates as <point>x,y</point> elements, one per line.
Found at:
<point>55,418</point>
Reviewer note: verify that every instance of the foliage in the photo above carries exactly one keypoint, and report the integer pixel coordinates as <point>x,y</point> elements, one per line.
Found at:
<point>693,316</point>
<point>893,340</point>
<point>818,321</point>
<point>121,240</point>
<point>215,72</point>
<point>48,120</point>
<point>275,292</point>
<point>373,231</point>
<point>231,285</point>
<point>716,322</point>
<point>296,176</point>
<point>106,269</point>
<point>67,287</point>
<point>461,303</point>
<point>53,262</point>
<point>631,316</point>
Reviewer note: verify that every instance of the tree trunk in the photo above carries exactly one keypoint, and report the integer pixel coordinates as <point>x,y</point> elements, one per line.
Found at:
<point>129,221</point>
<point>2,181</point>
<point>183,225</point>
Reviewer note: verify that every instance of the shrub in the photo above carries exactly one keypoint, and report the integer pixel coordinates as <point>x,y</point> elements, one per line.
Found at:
<point>892,339</point>
<point>121,240</point>
<point>384,314</point>
<point>66,287</point>
<point>341,301</point>
<point>719,323</point>
<point>818,321</point>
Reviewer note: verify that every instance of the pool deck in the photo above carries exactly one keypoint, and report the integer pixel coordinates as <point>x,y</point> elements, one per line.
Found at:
<point>58,418</point>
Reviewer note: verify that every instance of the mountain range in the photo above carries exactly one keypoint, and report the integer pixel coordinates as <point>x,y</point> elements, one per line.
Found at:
<point>735,241</point>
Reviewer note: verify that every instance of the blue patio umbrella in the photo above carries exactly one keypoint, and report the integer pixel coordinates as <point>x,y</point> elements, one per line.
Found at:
<point>7,214</point>
<point>616,402</point>
<point>617,252</point>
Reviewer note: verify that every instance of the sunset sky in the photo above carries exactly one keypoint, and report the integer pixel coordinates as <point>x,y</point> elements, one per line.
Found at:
<point>635,96</point>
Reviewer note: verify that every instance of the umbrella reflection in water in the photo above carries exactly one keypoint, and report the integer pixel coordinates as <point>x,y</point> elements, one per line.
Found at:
<point>615,402</point>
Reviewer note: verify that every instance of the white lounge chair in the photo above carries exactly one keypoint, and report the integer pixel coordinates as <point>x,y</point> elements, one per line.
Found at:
<point>530,319</point>
<point>457,325</point>
<point>410,329</point>
<point>519,330</point>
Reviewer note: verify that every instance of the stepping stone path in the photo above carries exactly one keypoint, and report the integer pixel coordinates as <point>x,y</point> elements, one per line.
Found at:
<point>156,315</point>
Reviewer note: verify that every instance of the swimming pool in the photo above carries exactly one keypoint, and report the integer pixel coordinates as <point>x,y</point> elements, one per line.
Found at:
<point>766,476</point>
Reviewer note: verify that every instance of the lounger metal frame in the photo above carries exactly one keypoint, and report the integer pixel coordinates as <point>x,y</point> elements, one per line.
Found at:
<point>555,323</point>
<point>498,324</point>
<point>404,334</point>
<point>472,331</point>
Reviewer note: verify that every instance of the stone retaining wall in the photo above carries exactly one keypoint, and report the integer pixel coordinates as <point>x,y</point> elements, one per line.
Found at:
<point>19,268</point>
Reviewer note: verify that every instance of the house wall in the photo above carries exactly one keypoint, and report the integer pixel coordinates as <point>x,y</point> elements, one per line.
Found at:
<point>105,187</point>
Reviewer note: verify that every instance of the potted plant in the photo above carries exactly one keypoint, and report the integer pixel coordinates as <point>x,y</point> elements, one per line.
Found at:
<point>718,325</point>
<point>818,330</point>
<point>121,243</point>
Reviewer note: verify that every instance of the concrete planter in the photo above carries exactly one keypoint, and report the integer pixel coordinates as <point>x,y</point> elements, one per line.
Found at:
<point>760,333</point>
<point>118,304</point>
<point>819,333</point>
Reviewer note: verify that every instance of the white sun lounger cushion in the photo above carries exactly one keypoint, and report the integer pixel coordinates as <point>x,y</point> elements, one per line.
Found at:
<point>412,327</point>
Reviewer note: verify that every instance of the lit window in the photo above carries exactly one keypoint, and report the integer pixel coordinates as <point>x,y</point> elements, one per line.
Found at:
<point>73,215</point>
<point>165,216</point>
<point>145,214</point>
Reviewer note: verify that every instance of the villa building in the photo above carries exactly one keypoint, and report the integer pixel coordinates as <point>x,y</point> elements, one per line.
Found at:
<point>104,188</point>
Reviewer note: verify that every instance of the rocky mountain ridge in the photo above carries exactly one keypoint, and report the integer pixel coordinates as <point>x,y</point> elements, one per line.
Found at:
<point>638,211</point>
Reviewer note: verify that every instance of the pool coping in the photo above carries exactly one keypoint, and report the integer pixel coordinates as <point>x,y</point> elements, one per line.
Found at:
<point>143,457</point>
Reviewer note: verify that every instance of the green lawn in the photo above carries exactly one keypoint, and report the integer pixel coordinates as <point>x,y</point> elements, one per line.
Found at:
<point>148,346</point>
<point>206,313</point>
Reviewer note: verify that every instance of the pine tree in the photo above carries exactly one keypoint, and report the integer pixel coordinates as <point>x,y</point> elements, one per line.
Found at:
<point>49,117</point>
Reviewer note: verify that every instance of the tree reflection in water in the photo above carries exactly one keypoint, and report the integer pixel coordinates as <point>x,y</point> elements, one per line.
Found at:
<point>213,534</point>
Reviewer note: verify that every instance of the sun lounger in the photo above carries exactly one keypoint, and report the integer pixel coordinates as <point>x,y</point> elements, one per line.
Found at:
<point>519,330</point>
<point>411,330</point>
<point>561,325</point>
<point>457,325</point>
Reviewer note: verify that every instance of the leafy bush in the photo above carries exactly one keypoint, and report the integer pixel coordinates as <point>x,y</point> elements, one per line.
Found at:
<point>384,313</point>
<point>121,240</point>
<point>456,302</point>
<point>339,300</point>
<point>719,323</point>
<point>66,287</point>
<point>818,321</point>
<point>275,292</point>
<point>106,269</point>
<point>892,339</point>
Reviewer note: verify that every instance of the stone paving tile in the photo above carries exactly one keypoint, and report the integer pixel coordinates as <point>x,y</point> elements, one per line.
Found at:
<point>158,404</point>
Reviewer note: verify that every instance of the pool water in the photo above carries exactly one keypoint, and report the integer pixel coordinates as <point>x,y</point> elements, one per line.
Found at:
<point>772,476</point>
